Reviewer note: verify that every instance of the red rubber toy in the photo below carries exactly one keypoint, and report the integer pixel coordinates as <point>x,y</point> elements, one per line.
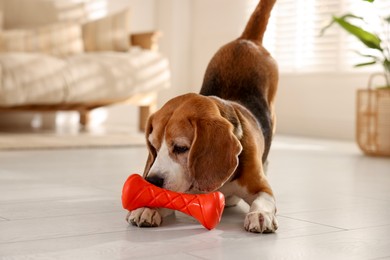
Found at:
<point>206,208</point>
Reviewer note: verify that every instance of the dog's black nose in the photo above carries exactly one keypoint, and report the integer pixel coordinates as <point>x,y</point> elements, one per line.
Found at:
<point>155,180</point>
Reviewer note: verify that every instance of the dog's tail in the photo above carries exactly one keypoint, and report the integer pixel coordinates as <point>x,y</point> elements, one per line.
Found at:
<point>257,24</point>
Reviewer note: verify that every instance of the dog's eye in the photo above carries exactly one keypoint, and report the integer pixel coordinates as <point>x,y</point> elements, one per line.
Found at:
<point>179,149</point>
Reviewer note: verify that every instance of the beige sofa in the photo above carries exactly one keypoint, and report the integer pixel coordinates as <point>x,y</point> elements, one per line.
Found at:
<point>54,57</point>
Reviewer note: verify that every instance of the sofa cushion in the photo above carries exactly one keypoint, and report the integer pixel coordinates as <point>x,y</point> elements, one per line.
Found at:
<point>110,33</point>
<point>27,14</point>
<point>35,79</point>
<point>61,40</point>
<point>113,75</point>
<point>29,77</point>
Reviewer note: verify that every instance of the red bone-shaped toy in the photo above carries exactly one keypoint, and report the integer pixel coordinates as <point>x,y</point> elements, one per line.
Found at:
<point>206,208</point>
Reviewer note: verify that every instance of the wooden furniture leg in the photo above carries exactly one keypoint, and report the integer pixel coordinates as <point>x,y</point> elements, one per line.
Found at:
<point>144,113</point>
<point>84,117</point>
<point>146,109</point>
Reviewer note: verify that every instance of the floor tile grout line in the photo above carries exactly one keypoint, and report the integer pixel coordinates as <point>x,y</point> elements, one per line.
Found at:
<point>363,228</point>
<point>342,229</point>
<point>83,185</point>
<point>313,235</point>
<point>58,199</point>
<point>312,222</point>
<point>60,216</point>
<point>62,237</point>
<point>380,258</point>
<point>198,257</point>
<point>365,197</point>
<point>331,208</point>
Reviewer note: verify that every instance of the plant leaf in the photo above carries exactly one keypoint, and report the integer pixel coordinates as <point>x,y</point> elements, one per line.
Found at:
<point>326,27</point>
<point>387,19</point>
<point>345,16</point>
<point>365,64</point>
<point>349,15</point>
<point>386,65</point>
<point>371,1</point>
<point>369,39</point>
<point>377,58</point>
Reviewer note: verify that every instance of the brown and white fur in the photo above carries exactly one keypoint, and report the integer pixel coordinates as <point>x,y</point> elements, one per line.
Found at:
<point>219,139</point>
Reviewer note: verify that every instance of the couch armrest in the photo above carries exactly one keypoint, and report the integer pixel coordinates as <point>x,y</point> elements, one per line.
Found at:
<point>146,40</point>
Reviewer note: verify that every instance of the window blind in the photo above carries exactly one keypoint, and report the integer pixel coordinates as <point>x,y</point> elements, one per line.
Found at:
<point>293,35</point>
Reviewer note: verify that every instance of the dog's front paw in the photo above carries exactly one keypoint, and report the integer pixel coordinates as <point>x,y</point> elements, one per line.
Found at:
<point>260,222</point>
<point>144,217</point>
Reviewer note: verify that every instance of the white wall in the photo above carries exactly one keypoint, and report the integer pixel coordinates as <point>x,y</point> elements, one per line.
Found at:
<point>215,23</point>
<point>143,13</point>
<point>174,19</point>
<point>318,105</point>
<point>143,20</point>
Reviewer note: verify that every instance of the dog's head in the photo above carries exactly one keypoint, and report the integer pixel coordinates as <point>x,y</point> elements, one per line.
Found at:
<point>193,146</point>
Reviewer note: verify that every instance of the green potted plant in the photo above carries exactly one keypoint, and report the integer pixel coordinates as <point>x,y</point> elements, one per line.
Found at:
<point>373,104</point>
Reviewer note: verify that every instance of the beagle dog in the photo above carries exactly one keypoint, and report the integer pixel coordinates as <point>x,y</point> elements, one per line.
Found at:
<point>219,139</point>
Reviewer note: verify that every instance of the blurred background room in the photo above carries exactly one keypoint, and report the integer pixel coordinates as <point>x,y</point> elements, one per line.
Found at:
<point>318,83</point>
<point>81,54</point>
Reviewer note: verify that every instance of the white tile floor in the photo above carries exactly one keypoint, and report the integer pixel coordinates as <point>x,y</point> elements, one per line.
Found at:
<point>333,203</point>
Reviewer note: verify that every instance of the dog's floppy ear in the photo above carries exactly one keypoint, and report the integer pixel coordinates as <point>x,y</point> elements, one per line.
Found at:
<point>152,151</point>
<point>213,156</point>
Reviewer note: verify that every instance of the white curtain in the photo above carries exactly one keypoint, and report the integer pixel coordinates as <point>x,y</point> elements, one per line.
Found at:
<point>293,36</point>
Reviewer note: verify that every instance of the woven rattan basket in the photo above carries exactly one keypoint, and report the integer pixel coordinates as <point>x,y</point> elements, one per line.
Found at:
<point>373,121</point>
